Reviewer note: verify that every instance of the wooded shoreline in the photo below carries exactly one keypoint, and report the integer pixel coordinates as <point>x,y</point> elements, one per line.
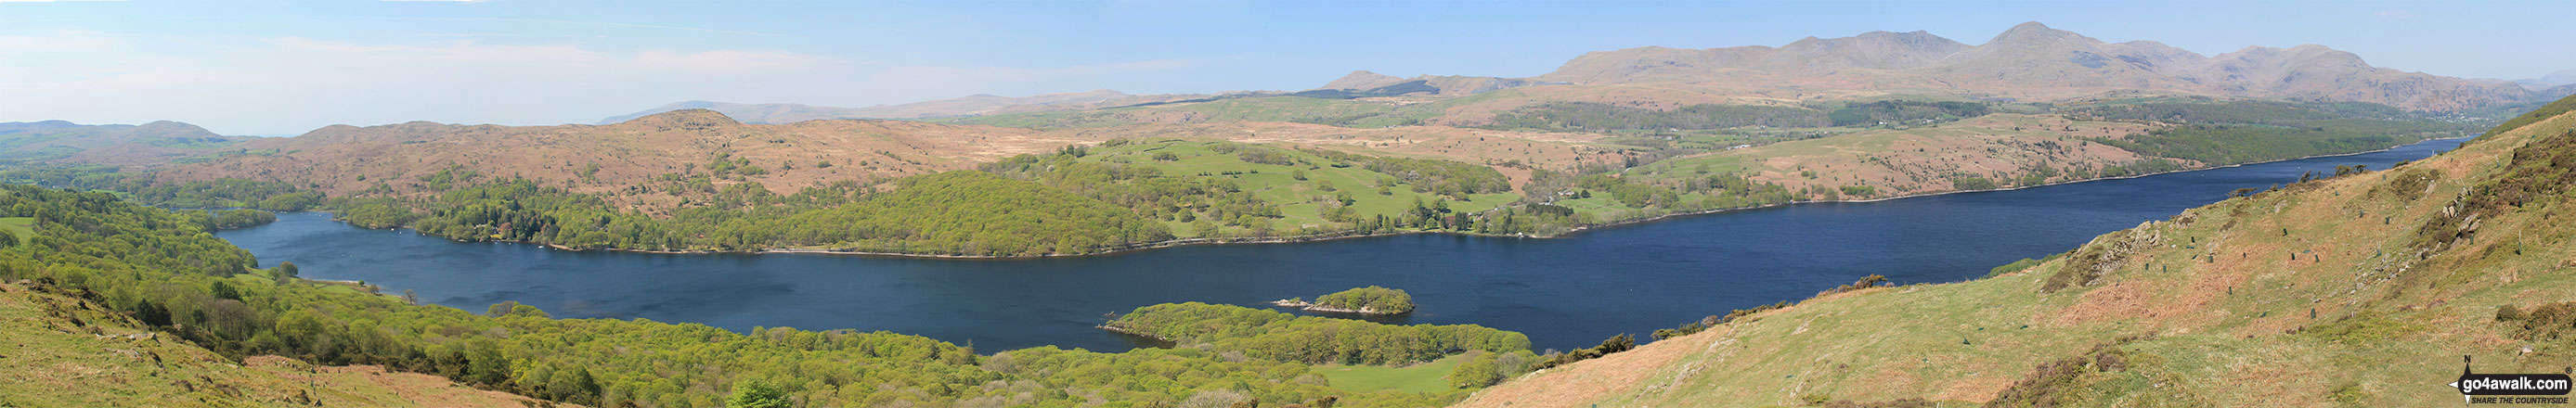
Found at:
<point>1337,236</point>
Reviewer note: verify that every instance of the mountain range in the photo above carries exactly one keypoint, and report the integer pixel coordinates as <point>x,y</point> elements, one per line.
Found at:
<point>963,106</point>
<point>2033,61</point>
<point>146,143</point>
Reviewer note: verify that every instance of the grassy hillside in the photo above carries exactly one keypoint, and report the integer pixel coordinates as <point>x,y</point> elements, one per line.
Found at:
<point>2360,290</point>
<point>2224,132</point>
<point>69,350</point>
<point>1213,189</point>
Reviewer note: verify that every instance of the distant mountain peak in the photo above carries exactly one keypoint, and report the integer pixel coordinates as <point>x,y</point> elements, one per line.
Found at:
<point>686,116</point>
<point>2566,76</point>
<point>2031,27</point>
<point>2034,33</point>
<point>1362,80</point>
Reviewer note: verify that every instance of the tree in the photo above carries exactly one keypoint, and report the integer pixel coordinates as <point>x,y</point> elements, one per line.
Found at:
<point>757,394</point>
<point>573,385</point>
<point>286,270</point>
<point>1476,372</point>
<point>225,291</point>
<point>505,308</point>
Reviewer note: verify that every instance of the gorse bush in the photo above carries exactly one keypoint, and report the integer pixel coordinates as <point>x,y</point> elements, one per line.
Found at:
<point>2547,321</point>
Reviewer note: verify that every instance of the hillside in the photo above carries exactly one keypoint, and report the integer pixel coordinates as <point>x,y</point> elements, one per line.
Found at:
<point>615,158</point>
<point>599,158</point>
<point>2001,148</point>
<point>69,350</point>
<point>2355,290</point>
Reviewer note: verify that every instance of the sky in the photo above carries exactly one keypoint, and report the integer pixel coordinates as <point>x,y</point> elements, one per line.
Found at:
<point>283,68</point>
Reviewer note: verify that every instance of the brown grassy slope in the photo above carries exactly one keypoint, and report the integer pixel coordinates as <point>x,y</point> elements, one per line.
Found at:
<point>344,159</point>
<point>1917,160</point>
<point>69,352</point>
<point>2208,309</point>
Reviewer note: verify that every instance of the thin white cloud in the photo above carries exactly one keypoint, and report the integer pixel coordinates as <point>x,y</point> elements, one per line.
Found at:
<point>308,44</point>
<point>599,24</point>
<point>935,74</point>
<point>58,42</point>
<point>733,61</point>
<point>550,57</point>
<point>287,84</point>
<point>284,85</point>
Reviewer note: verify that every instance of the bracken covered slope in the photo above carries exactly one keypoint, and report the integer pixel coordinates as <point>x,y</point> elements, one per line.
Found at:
<point>68,351</point>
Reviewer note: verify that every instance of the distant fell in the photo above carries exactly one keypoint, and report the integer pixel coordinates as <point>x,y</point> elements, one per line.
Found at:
<point>111,144</point>
<point>1362,80</point>
<point>779,113</point>
<point>1372,83</point>
<point>2035,61</point>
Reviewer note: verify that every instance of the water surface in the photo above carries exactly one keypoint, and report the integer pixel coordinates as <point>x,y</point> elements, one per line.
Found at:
<point>1565,293</point>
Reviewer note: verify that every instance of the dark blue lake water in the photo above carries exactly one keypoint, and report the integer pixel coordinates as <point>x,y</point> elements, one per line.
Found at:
<point>1566,293</point>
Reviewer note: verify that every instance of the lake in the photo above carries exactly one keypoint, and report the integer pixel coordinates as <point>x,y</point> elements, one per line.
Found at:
<point>1566,293</point>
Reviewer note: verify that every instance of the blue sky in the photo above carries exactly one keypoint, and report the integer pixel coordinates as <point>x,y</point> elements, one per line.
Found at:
<point>290,67</point>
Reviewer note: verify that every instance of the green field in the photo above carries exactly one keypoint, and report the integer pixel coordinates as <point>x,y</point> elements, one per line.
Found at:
<point>1428,377</point>
<point>20,227</point>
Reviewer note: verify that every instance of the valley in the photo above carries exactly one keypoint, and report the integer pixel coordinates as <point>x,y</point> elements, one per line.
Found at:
<point>1888,219</point>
